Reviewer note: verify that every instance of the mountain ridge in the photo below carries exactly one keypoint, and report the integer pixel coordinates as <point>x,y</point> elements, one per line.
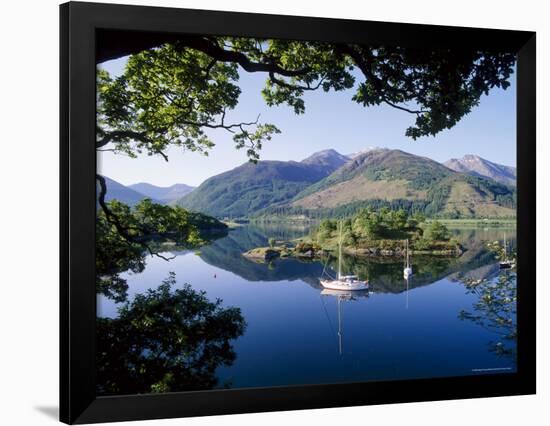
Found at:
<point>478,166</point>
<point>328,159</point>
<point>164,194</point>
<point>378,162</point>
<point>397,179</point>
<point>250,187</point>
<point>328,182</point>
<point>122,193</point>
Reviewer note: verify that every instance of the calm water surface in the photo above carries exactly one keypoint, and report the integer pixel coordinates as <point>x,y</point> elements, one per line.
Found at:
<point>433,325</point>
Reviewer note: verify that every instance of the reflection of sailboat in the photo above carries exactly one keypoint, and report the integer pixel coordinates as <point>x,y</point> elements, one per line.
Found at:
<point>343,282</point>
<point>342,295</point>
<point>407,271</point>
<point>505,263</point>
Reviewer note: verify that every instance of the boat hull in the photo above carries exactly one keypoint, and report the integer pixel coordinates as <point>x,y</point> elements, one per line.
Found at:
<point>345,285</point>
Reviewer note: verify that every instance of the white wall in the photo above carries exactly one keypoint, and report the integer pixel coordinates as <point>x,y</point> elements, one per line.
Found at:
<point>29,177</point>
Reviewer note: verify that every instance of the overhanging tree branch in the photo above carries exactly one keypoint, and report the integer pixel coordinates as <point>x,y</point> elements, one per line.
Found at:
<point>119,135</point>
<point>124,231</point>
<point>214,50</point>
<point>361,60</point>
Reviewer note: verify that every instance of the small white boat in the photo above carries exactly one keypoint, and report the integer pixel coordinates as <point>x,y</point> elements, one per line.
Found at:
<point>407,270</point>
<point>344,282</point>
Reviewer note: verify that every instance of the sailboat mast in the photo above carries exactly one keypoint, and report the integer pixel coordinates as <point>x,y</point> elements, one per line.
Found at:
<point>407,258</point>
<point>340,252</point>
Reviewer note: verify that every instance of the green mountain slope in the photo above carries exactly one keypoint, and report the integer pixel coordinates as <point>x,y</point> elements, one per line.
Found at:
<point>394,178</point>
<point>330,184</point>
<point>249,188</point>
<point>380,165</point>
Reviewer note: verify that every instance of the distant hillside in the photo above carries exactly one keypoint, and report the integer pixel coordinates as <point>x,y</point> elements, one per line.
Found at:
<point>163,194</point>
<point>477,166</point>
<point>117,191</point>
<point>249,188</point>
<point>394,178</point>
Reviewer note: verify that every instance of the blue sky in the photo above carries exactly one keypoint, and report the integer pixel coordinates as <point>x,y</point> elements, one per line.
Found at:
<point>331,120</point>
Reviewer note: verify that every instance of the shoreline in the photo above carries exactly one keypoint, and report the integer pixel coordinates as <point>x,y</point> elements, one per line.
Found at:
<point>313,251</point>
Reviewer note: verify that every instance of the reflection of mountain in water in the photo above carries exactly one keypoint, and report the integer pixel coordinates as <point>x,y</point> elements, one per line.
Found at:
<point>226,253</point>
<point>385,275</point>
<point>478,274</point>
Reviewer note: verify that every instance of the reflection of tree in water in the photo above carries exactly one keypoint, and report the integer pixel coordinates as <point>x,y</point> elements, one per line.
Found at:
<point>385,274</point>
<point>113,255</point>
<point>163,340</point>
<point>495,310</point>
<point>226,253</point>
<point>166,340</point>
<point>126,235</point>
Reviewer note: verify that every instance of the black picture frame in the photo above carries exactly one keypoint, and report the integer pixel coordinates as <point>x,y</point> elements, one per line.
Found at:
<point>80,26</point>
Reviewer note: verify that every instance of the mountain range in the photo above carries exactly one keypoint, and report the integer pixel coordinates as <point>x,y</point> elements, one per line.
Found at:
<point>165,195</point>
<point>394,178</point>
<point>329,183</point>
<point>133,194</point>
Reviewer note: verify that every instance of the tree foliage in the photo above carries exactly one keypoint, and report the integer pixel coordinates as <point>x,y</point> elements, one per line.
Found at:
<point>165,340</point>
<point>170,94</point>
<point>368,224</point>
<point>168,97</point>
<point>436,231</point>
<point>495,310</point>
<point>385,229</point>
<point>124,236</point>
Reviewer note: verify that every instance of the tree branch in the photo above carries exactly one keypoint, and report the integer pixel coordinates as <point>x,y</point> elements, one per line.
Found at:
<point>117,135</point>
<point>215,51</point>
<point>283,83</point>
<point>122,230</point>
<point>359,60</point>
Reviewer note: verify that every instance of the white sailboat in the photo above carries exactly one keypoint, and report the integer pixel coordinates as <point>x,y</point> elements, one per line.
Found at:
<point>344,282</point>
<point>505,263</point>
<point>407,270</point>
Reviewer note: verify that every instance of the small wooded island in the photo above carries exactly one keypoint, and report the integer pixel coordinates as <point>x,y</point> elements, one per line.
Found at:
<point>367,233</point>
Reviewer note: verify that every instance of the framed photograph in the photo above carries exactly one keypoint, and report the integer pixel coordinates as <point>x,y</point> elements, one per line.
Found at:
<point>265,213</point>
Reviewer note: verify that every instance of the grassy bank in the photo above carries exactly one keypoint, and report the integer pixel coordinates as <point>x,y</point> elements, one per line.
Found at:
<point>476,223</point>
